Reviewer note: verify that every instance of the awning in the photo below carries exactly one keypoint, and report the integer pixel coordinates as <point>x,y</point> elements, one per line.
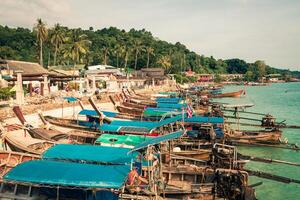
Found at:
<point>169,100</point>
<point>157,140</point>
<point>69,174</point>
<point>89,153</point>
<point>124,129</point>
<point>119,140</point>
<point>200,119</point>
<point>170,105</point>
<point>70,99</point>
<point>95,114</point>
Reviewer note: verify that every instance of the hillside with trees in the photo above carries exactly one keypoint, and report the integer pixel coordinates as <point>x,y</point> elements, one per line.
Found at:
<point>135,49</point>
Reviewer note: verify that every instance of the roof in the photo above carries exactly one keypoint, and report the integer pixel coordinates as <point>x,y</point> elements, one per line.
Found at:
<point>27,68</point>
<point>90,153</point>
<point>168,100</point>
<point>69,174</point>
<point>172,105</point>
<point>94,113</point>
<point>157,140</point>
<point>70,99</point>
<point>123,129</point>
<point>153,69</point>
<point>61,72</point>
<point>200,119</point>
<point>120,140</point>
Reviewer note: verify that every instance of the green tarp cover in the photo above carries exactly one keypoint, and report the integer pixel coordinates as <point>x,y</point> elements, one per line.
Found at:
<point>130,140</point>
<point>90,153</point>
<point>69,174</point>
<point>157,140</point>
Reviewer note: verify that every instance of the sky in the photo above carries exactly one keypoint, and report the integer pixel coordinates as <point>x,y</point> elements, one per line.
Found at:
<point>252,30</point>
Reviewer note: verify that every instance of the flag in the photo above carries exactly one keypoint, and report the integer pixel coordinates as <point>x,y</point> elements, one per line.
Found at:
<point>189,111</point>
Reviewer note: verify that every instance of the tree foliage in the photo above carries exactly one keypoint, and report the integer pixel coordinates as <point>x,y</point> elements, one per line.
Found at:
<point>133,49</point>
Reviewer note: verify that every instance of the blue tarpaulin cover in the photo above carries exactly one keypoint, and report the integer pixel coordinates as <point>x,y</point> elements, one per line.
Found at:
<point>123,129</point>
<point>200,119</point>
<point>90,153</point>
<point>157,140</point>
<point>94,113</point>
<point>178,106</point>
<point>168,100</point>
<point>69,174</point>
<point>70,99</point>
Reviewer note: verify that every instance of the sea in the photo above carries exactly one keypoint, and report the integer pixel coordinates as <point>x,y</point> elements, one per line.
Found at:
<point>282,100</point>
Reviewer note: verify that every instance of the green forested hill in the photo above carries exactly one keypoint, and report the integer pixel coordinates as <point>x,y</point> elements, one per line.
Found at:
<point>132,49</point>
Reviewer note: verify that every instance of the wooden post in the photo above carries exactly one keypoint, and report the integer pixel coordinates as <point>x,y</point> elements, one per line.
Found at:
<point>19,88</point>
<point>30,88</point>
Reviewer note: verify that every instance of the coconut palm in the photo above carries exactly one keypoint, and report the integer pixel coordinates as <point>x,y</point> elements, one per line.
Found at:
<point>150,51</point>
<point>41,34</point>
<point>106,52</point>
<point>118,51</point>
<point>165,62</point>
<point>76,47</point>
<point>57,39</point>
<point>124,51</point>
<point>137,47</point>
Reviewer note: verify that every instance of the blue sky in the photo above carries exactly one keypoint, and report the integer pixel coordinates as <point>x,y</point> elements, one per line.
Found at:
<point>253,30</point>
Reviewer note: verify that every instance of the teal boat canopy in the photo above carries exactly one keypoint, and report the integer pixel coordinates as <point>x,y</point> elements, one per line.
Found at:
<point>137,126</point>
<point>123,129</point>
<point>200,119</point>
<point>172,105</point>
<point>95,114</point>
<point>157,140</point>
<point>90,153</point>
<point>69,174</point>
<point>70,99</point>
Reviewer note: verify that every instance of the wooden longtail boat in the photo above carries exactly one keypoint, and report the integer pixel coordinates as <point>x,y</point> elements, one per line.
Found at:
<point>51,134</point>
<point>20,142</point>
<point>9,159</point>
<point>197,181</point>
<point>228,94</point>
<point>268,136</point>
<point>126,110</point>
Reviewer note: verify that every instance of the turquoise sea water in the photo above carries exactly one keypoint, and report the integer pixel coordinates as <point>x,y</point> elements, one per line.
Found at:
<point>282,100</point>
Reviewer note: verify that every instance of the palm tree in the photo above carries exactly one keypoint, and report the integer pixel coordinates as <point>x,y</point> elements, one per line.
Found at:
<point>57,39</point>
<point>41,34</point>
<point>165,62</point>
<point>118,51</point>
<point>76,47</point>
<point>150,51</point>
<point>124,50</point>
<point>105,53</point>
<point>137,47</point>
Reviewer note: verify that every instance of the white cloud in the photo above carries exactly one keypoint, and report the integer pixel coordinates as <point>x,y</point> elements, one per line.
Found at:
<point>25,12</point>
<point>247,29</point>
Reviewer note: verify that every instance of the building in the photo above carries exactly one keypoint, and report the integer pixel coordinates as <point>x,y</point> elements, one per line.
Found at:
<point>231,77</point>
<point>205,77</point>
<point>152,72</point>
<point>9,68</point>
<point>102,72</point>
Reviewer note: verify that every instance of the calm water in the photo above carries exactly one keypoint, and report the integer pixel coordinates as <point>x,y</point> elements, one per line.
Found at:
<point>282,101</point>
